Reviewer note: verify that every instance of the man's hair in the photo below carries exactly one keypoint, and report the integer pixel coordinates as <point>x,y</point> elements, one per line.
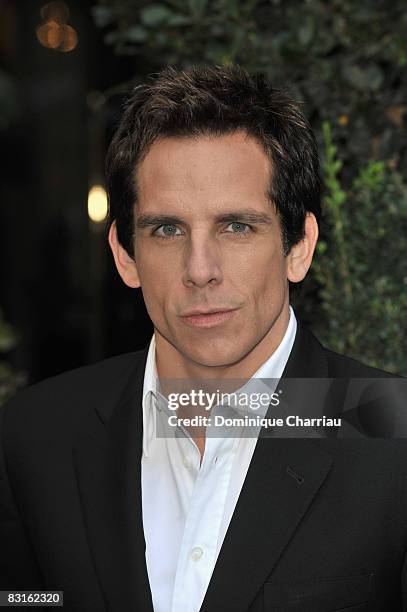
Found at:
<point>216,100</point>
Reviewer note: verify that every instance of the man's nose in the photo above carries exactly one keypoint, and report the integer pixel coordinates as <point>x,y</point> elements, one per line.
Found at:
<point>202,264</point>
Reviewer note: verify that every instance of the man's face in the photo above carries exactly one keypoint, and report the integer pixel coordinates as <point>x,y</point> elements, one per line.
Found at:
<point>207,238</point>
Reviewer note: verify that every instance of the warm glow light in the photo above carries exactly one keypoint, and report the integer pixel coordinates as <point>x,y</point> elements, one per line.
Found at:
<point>69,39</point>
<point>49,34</point>
<point>54,32</point>
<point>97,204</point>
<point>55,10</point>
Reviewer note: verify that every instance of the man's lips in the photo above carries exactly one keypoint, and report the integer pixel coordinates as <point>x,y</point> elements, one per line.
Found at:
<point>209,318</point>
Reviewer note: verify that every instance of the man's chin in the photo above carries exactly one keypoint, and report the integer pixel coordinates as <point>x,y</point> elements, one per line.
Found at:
<point>214,357</point>
<point>208,350</point>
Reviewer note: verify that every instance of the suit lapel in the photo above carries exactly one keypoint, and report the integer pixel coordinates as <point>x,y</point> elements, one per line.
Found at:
<point>283,479</point>
<point>108,468</point>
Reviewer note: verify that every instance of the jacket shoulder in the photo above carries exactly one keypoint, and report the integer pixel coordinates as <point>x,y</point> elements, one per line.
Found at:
<point>341,366</point>
<point>68,397</point>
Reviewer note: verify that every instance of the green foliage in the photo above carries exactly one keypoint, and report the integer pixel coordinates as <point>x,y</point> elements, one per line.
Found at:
<point>361,267</point>
<point>346,61</point>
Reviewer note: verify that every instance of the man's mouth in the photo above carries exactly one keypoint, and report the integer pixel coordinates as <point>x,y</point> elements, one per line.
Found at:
<point>208,318</point>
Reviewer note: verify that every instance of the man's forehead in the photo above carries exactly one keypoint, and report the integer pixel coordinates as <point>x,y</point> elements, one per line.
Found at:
<point>238,142</point>
<point>220,169</point>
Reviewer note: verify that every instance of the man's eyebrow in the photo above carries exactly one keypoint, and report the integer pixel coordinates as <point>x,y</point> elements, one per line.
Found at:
<point>152,220</point>
<point>144,221</point>
<point>244,216</point>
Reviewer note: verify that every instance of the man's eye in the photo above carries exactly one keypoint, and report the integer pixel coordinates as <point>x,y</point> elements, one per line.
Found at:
<point>167,231</point>
<point>239,228</point>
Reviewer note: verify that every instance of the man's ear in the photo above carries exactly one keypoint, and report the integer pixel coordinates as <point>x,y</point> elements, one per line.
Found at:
<point>126,265</point>
<point>299,258</point>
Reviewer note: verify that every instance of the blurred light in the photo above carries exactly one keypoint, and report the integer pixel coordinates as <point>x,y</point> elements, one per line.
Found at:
<point>58,11</point>
<point>343,120</point>
<point>97,204</point>
<point>54,33</point>
<point>49,34</point>
<point>69,39</point>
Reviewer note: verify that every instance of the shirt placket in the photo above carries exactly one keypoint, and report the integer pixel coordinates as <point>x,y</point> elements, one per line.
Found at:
<point>197,556</point>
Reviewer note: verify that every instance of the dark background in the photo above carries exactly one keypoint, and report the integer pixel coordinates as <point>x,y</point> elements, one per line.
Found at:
<point>62,303</point>
<point>59,289</point>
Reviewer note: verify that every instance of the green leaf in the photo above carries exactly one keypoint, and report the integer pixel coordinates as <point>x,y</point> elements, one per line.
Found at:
<point>155,15</point>
<point>8,338</point>
<point>179,20</point>
<point>370,78</point>
<point>102,15</point>
<point>306,32</point>
<point>136,34</point>
<point>197,7</point>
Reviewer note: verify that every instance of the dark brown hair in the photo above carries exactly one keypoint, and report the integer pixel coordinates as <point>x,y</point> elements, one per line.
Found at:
<point>216,100</point>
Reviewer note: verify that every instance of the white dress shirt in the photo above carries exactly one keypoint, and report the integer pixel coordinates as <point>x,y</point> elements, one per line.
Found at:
<point>187,505</point>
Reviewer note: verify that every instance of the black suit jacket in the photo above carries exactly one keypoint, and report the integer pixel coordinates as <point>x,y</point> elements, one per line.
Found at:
<point>320,524</point>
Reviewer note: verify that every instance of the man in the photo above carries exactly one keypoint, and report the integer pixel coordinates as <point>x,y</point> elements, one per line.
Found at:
<point>214,206</point>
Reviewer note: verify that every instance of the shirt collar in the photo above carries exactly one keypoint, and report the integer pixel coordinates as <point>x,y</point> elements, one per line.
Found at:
<point>271,369</point>
<point>149,393</point>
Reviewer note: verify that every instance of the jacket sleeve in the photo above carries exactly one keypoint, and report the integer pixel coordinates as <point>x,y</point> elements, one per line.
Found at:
<point>18,567</point>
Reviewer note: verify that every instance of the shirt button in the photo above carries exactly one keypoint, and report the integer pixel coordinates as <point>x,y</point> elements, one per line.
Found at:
<point>186,462</point>
<point>196,553</point>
